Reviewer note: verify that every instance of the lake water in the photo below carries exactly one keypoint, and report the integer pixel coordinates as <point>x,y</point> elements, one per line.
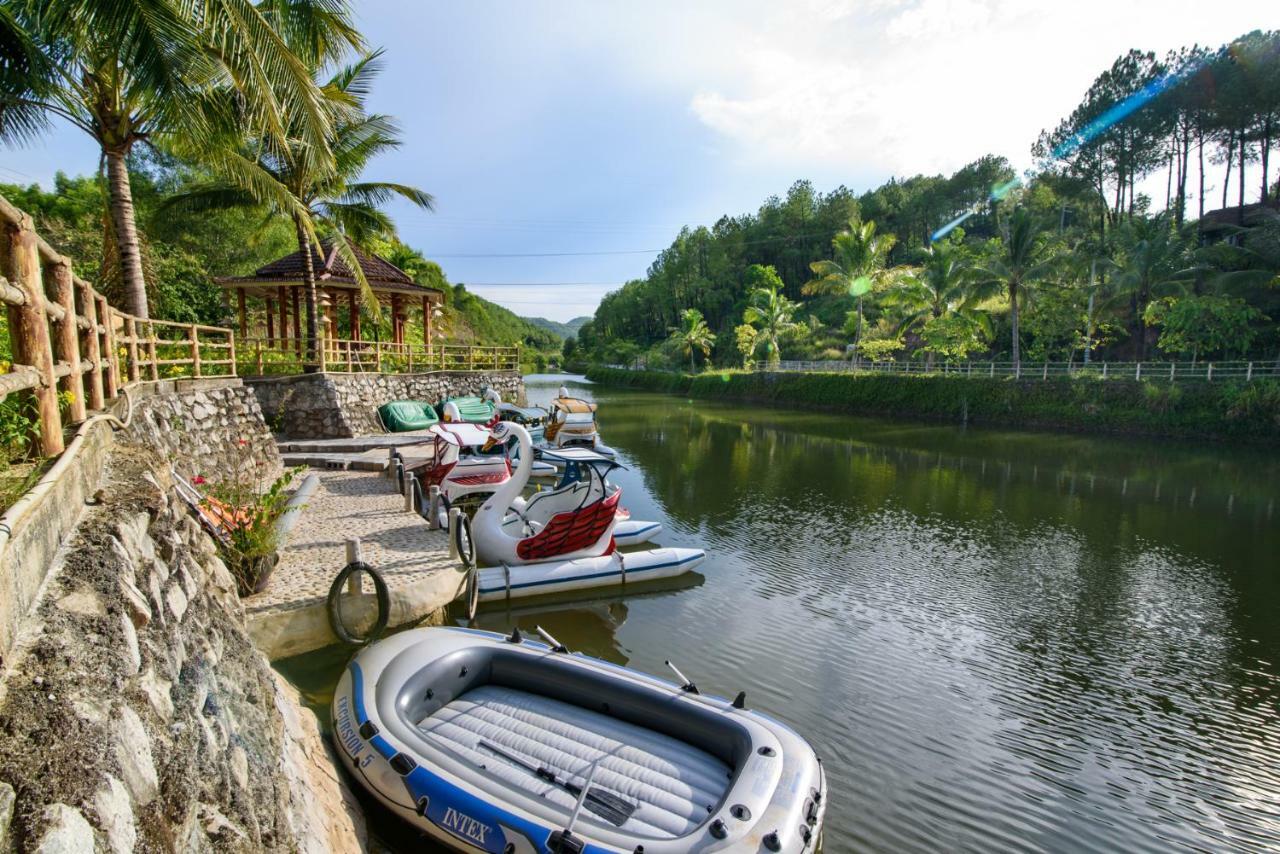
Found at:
<point>993,639</point>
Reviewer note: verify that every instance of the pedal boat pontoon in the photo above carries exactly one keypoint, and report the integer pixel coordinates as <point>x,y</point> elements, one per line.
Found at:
<point>562,539</point>
<point>506,745</point>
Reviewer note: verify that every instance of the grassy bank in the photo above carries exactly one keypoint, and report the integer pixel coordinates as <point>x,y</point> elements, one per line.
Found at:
<point>1227,410</point>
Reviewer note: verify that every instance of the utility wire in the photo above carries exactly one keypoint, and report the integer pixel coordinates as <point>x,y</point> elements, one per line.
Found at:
<point>613,251</point>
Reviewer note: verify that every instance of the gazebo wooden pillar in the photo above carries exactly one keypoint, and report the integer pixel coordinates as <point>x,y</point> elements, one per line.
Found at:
<point>284,321</point>
<point>244,313</point>
<point>295,295</point>
<point>271,322</point>
<point>397,329</point>
<point>354,315</point>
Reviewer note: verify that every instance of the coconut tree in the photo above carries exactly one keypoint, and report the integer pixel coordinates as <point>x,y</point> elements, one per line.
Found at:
<point>313,196</point>
<point>941,286</point>
<point>1153,260</point>
<point>130,72</point>
<point>1022,259</point>
<point>769,309</point>
<point>693,335</point>
<point>860,265</point>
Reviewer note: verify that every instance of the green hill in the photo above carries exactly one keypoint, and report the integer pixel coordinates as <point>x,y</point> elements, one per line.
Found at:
<point>562,330</point>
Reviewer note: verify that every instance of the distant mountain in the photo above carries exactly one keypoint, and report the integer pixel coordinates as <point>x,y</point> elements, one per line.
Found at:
<point>555,327</point>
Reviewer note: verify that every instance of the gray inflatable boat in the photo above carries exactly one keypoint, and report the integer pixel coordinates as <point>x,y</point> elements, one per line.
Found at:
<point>504,744</point>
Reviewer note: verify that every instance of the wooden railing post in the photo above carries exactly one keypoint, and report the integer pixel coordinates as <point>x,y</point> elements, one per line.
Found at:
<point>195,350</point>
<point>29,328</point>
<point>89,345</point>
<point>154,368</point>
<point>231,349</point>
<point>108,319</point>
<point>67,341</point>
<point>131,332</point>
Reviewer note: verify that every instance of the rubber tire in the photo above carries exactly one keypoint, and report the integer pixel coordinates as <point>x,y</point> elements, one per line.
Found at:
<point>463,541</point>
<point>334,604</point>
<point>473,592</point>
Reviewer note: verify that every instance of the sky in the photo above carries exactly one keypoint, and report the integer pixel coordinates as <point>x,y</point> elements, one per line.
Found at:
<point>566,142</point>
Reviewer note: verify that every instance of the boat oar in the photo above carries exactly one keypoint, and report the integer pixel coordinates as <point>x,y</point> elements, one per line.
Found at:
<point>605,804</point>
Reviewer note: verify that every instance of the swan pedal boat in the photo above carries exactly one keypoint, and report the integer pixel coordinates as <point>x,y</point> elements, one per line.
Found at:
<point>567,538</point>
<point>510,746</point>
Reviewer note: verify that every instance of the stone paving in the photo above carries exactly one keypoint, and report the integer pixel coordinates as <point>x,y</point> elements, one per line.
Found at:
<point>291,615</point>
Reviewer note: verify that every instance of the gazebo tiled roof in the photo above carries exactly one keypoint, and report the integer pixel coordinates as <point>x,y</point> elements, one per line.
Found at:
<point>333,272</point>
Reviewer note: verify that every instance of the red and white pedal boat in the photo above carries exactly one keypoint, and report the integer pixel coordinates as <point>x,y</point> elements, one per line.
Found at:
<point>565,538</point>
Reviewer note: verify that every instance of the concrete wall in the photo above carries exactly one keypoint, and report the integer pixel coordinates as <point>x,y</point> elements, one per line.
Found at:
<point>334,406</point>
<point>138,714</point>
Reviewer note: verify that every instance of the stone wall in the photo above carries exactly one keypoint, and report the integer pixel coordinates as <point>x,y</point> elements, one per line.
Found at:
<point>136,713</point>
<point>203,426</point>
<point>334,406</point>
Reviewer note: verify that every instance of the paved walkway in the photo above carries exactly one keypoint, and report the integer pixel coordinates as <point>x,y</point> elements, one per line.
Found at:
<point>362,453</point>
<point>291,616</point>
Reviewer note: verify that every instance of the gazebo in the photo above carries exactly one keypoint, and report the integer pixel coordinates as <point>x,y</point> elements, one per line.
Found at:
<point>279,288</point>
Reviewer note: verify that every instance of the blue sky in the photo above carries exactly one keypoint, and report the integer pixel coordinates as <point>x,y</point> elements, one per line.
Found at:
<point>597,127</point>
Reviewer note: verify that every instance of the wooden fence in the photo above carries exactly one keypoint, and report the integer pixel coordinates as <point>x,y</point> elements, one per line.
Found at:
<point>1199,371</point>
<point>64,337</point>
<point>266,356</point>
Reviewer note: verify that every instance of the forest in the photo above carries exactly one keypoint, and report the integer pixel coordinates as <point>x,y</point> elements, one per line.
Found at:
<point>1148,228</point>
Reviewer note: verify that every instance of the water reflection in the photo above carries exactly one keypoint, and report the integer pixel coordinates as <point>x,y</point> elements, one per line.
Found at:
<point>995,640</point>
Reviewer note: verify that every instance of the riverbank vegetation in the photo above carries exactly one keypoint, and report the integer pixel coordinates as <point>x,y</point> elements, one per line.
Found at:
<point>1073,262</point>
<point>1248,411</point>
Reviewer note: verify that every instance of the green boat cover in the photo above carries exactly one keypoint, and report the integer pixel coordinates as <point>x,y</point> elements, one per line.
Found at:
<point>473,409</point>
<point>399,416</point>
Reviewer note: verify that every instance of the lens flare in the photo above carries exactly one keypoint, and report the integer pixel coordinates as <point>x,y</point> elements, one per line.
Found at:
<point>1109,119</point>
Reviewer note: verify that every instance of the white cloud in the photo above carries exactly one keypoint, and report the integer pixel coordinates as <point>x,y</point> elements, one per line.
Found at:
<point>901,86</point>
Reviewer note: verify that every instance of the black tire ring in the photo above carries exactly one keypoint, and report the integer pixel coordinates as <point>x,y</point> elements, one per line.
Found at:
<point>335,605</point>
<point>473,592</point>
<point>468,557</point>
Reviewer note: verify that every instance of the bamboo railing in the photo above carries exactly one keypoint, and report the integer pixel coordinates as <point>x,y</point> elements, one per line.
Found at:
<point>266,356</point>
<point>64,337</point>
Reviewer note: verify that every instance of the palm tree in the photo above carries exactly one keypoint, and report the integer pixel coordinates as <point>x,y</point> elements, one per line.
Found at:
<point>941,286</point>
<point>859,266</point>
<point>333,200</point>
<point>1022,260</point>
<point>769,309</point>
<point>1153,260</point>
<point>145,71</point>
<point>693,335</point>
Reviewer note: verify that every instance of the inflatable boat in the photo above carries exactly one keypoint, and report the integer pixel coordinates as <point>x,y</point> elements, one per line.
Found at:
<point>511,746</point>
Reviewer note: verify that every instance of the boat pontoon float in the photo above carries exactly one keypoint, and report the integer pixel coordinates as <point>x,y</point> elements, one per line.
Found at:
<point>511,746</point>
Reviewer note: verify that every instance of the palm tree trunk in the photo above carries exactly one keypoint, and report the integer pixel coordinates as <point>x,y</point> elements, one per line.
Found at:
<point>1013,319</point>
<point>857,335</point>
<point>126,232</point>
<point>309,291</point>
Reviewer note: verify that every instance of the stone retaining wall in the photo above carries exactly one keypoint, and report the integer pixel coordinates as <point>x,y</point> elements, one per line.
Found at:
<point>137,714</point>
<point>338,406</point>
<point>203,426</point>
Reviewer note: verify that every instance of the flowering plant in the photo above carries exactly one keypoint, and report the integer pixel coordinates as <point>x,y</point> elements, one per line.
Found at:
<point>247,506</point>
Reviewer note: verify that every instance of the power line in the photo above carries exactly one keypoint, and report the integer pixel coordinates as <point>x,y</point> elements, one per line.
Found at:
<point>615,251</point>
<point>543,284</point>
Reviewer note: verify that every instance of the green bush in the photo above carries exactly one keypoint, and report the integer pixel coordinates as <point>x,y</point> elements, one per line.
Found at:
<point>1235,410</point>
